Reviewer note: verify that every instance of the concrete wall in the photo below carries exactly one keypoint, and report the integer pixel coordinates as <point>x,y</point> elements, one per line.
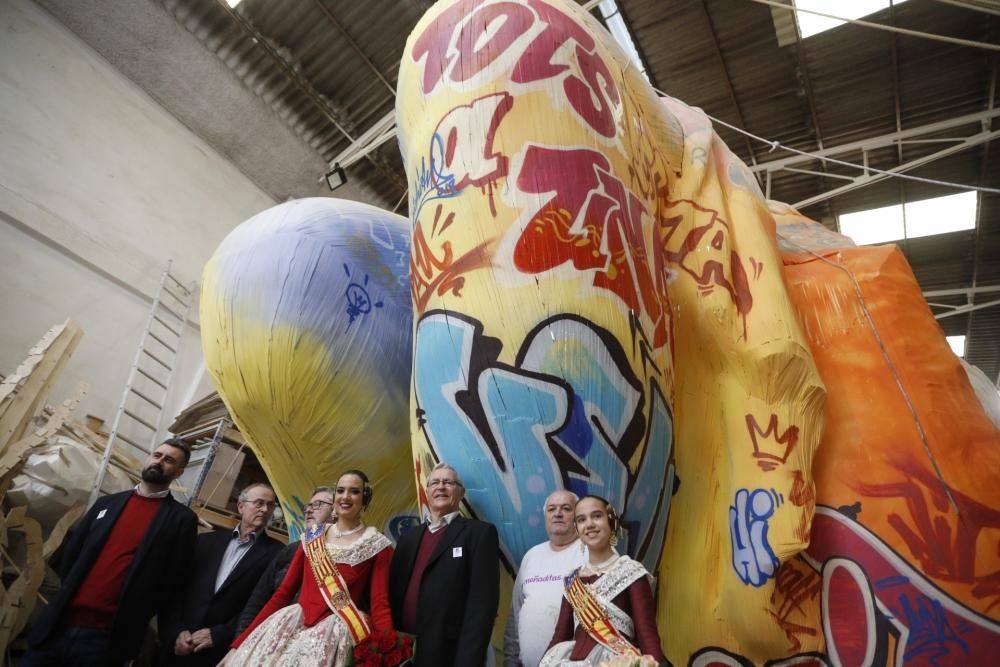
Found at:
<point>99,186</point>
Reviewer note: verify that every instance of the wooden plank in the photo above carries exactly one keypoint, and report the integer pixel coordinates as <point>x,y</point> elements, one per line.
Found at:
<point>20,597</point>
<point>23,401</point>
<point>58,533</point>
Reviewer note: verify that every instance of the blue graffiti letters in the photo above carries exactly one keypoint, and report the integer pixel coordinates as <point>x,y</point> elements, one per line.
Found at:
<point>569,414</point>
<point>753,558</point>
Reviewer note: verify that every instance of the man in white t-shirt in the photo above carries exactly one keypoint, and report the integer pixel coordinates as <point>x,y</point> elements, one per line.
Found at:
<point>538,589</point>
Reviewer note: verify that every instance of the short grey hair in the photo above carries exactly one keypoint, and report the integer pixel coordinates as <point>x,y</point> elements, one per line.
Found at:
<point>245,493</point>
<point>445,466</point>
<point>323,489</point>
<point>576,498</point>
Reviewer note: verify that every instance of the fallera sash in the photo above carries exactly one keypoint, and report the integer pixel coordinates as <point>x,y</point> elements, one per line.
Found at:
<point>594,619</point>
<point>331,584</point>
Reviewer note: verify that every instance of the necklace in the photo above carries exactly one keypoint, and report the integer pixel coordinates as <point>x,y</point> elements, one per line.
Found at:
<point>604,565</point>
<point>339,533</point>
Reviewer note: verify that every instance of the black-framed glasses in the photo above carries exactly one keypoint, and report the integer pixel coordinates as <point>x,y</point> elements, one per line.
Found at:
<point>318,504</point>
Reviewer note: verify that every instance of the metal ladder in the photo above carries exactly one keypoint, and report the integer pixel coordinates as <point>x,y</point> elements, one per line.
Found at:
<point>153,367</point>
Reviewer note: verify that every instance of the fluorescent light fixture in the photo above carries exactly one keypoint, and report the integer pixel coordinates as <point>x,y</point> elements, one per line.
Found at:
<point>616,26</point>
<point>940,215</point>
<point>957,345</point>
<point>811,24</point>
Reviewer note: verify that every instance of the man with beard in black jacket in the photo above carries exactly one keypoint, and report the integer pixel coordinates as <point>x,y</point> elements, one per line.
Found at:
<point>122,564</point>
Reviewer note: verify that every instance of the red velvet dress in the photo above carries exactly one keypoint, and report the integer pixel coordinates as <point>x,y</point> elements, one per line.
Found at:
<point>636,601</point>
<point>285,633</point>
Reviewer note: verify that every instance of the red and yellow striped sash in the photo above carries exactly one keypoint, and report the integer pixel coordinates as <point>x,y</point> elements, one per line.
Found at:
<point>334,590</point>
<point>595,621</point>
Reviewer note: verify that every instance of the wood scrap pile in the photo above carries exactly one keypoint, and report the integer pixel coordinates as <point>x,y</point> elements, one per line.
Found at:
<point>22,401</point>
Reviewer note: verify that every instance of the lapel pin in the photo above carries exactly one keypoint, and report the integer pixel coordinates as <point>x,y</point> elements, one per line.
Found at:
<point>456,552</point>
<point>100,515</point>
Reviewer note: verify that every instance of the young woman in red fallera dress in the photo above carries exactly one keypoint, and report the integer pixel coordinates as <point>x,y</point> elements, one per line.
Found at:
<point>607,613</point>
<point>342,576</point>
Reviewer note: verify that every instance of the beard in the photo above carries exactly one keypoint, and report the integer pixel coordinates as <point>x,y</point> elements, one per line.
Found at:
<point>155,475</point>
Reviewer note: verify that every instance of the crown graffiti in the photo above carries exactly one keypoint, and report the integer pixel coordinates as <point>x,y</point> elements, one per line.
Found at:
<point>769,448</point>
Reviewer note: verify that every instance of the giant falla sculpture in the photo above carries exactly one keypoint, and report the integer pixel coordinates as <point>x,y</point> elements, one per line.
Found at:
<point>601,299</point>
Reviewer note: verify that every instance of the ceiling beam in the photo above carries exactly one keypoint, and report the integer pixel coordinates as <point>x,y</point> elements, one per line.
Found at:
<point>861,181</point>
<point>880,141</point>
<point>930,294</point>
<point>728,79</point>
<point>991,89</point>
<point>305,87</point>
<point>967,309</point>
<point>354,45</point>
<point>800,56</point>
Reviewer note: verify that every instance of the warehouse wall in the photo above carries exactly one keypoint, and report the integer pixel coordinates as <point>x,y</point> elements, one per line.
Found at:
<point>99,186</point>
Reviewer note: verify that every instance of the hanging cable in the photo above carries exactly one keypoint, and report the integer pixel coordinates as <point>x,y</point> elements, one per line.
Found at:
<point>881,26</point>
<point>775,145</point>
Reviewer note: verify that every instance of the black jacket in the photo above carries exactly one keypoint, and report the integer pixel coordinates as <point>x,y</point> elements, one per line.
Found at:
<point>458,596</point>
<point>159,566</point>
<point>201,606</point>
<point>268,583</point>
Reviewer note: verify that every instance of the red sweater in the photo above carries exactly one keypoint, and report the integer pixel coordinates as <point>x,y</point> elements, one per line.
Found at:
<point>367,577</point>
<point>96,601</point>
<point>636,601</point>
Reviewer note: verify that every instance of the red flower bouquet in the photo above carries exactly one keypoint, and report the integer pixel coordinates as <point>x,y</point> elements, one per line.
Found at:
<point>384,648</point>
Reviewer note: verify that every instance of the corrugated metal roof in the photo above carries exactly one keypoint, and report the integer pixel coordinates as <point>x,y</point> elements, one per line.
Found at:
<point>328,68</point>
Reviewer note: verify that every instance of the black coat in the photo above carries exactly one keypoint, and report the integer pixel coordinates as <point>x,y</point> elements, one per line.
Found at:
<point>268,583</point>
<point>201,606</point>
<point>458,597</point>
<point>160,564</point>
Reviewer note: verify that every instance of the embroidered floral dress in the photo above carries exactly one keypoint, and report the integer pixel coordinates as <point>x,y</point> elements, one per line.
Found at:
<point>625,596</point>
<point>308,632</point>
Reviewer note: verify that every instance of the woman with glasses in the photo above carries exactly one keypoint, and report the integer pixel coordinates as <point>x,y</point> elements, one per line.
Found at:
<point>341,575</point>
<point>607,615</point>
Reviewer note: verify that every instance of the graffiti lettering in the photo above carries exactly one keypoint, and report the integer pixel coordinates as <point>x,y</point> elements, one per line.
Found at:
<point>437,273</point>
<point>794,586</point>
<point>931,633</point>
<point>925,620</point>
<point>592,220</point>
<point>569,406</point>
<point>941,553</point>
<point>473,38</point>
<point>753,559</point>
<point>686,225</point>
<point>462,152</point>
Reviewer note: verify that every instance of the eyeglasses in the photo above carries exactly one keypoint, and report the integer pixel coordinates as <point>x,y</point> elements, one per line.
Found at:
<point>269,504</point>
<point>318,505</point>
<point>442,482</point>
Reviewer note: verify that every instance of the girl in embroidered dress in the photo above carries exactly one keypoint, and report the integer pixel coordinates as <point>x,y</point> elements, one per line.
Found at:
<point>607,612</point>
<point>341,574</point>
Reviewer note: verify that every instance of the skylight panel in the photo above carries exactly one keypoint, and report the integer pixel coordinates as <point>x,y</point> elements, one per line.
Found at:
<point>811,24</point>
<point>957,345</point>
<point>929,217</point>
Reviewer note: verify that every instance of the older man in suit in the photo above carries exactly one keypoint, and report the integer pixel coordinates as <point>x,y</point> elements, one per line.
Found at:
<point>123,562</point>
<point>444,581</point>
<point>199,629</point>
<point>319,510</point>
